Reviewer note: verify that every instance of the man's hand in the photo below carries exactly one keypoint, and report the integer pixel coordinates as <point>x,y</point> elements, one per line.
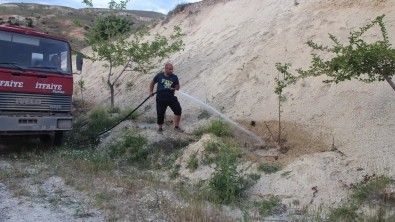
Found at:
<point>151,94</point>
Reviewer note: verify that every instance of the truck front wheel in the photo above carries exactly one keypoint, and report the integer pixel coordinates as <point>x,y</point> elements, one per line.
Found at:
<point>58,138</point>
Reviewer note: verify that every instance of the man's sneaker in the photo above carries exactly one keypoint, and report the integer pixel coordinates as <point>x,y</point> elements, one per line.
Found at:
<point>178,129</point>
<point>160,131</point>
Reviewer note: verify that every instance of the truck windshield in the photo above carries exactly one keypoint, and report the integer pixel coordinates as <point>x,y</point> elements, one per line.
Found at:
<point>26,52</point>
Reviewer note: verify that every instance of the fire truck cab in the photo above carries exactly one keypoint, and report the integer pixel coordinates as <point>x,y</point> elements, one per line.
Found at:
<point>36,84</point>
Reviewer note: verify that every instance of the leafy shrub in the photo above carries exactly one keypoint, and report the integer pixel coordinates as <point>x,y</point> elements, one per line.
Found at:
<point>114,109</point>
<point>227,184</point>
<point>370,194</point>
<point>371,188</point>
<point>216,127</point>
<point>107,28</point>
<point>132,148</point>
<point>99,120</point>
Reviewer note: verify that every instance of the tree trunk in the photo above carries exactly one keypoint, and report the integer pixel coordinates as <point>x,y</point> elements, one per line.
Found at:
<point>388,79</point>
<point>112,95</point>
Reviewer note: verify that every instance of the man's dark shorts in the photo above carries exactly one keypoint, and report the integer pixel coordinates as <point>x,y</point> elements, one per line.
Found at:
<point>162,104</point>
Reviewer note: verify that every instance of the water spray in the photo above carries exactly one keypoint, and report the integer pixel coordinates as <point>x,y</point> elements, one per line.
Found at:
<point>260,141</point>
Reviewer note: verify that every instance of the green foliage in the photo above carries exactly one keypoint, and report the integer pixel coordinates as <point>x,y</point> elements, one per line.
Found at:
<point>268,206</point>
<point>175,172</point>
<point>367,62</point>
<point>211,150</point>
<point>92,159</point>
<point>227,184</point>
<point>287,79</point>
<point>255,177</point>
<point>13,21</point>
<point>81,84</point>
<point>344,213</point>
<point>370,190</point>
<point>88,2</point>
<point>212,146</point>
<point>371,194</point>
<point>193,162</point>
<point>113,110</point>
<point>111,42</point>
<point>204,114</point>
<point>219,128</point>
<point>132,148</point>
<point>269,168</point>
<point>126,112</point>
<point>107,28</point>
<point>216,127</point>
<point>129,85</point>
<point>29,22</point>
<point>99,120</point>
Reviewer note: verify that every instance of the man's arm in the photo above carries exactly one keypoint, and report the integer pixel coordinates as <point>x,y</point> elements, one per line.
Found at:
<point>151,88</point>
<point>176,85</point>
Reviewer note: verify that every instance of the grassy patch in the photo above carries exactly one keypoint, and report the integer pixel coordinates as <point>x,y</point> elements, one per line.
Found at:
<point>370,201</point>
<point>175,172</point>
<point>193,162</point>
<point>216,127</point>
<point>211,150</point>
<point>268,206</point>
<point>269,168</point>
<point>204,114</point>
<point>132,148</point>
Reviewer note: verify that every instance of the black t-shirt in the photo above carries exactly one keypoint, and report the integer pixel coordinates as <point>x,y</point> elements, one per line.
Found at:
<point>165,83</point>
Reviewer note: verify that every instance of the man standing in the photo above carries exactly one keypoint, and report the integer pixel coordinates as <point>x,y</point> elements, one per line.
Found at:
<point>167,84</point>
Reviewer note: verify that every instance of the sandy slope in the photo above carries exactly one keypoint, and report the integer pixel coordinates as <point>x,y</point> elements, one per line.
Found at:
<point>229,62</point>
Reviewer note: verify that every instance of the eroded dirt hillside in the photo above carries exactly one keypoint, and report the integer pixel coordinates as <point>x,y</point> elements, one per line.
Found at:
<point>229,63</point>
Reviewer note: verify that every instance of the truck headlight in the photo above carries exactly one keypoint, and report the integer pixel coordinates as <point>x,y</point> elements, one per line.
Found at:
<point>64,124</point>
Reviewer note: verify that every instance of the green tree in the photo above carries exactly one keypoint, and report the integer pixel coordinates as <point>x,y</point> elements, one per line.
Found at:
<point>121,46</point>
<point>81,84</point>
<point>29,22</point>
<point>282,82</point>
<point>366,62</point>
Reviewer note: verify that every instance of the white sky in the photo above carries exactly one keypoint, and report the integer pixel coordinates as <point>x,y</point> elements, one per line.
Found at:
<point>162,6</point>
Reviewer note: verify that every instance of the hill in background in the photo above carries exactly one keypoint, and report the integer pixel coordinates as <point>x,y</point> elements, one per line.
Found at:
<point>59,20</point>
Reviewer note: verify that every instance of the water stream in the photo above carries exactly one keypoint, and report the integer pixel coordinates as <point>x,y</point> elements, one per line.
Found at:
<point>227,119</point>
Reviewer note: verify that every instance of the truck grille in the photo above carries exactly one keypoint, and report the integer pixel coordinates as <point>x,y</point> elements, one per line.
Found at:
<point>34,102</point>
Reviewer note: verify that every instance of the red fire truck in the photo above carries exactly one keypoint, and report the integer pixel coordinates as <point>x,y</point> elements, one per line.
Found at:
<point>36,84</point>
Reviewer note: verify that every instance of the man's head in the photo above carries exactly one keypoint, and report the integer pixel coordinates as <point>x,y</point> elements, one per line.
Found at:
<point>168,68</point>
<point>55,61</point>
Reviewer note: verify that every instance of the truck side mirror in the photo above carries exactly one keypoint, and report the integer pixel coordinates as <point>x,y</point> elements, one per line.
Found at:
<point>79,61</point>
